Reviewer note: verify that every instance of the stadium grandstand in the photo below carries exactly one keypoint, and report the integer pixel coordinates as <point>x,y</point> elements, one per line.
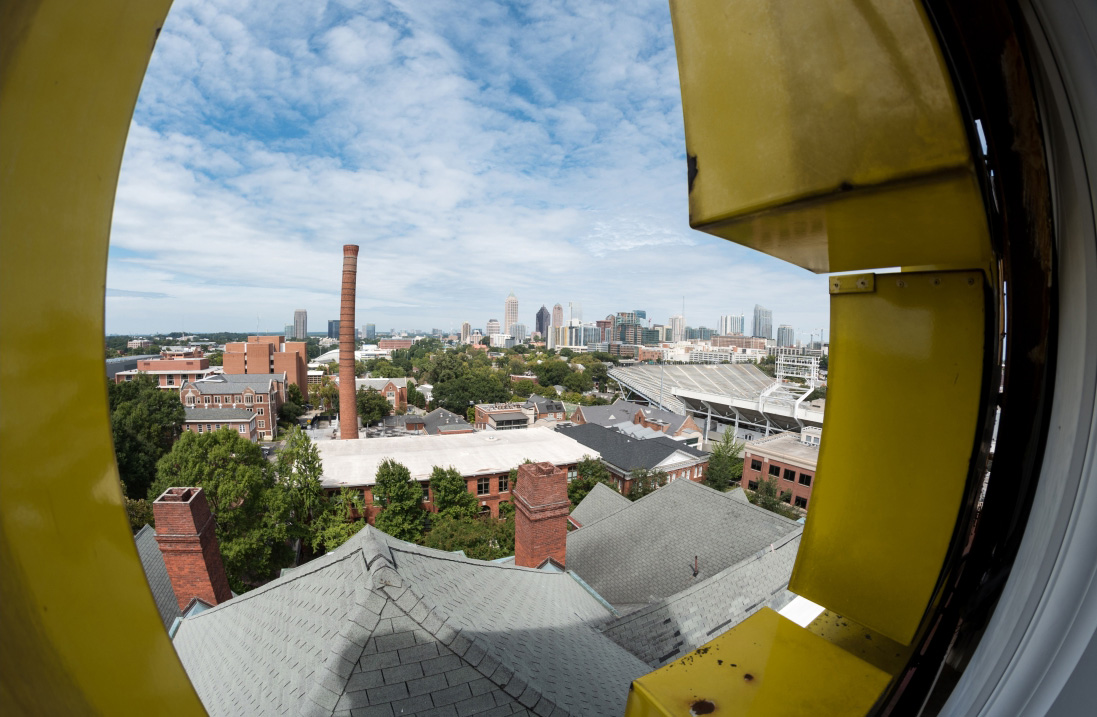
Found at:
<point>737,395</point>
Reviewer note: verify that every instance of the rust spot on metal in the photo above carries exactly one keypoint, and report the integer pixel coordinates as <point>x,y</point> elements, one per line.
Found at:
<point>748,677</point>
<point>702,707</point>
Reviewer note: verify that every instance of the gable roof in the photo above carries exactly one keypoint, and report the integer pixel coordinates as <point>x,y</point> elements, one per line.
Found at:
<point>544,405</point>
<point>222,383</point>
<point>600,502</point>
<point>156,572</point>
<point>440,421</point>
<point>377,384</point>
<point>622,411</point>
<point>382,622</point>
<point>646,551</point>
<point>624,451</point>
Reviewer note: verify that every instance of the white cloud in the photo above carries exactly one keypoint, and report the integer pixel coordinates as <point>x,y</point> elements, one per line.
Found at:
<point>469,148</point>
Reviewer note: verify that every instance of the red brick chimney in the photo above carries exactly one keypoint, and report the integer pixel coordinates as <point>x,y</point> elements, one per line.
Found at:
<point>540,515</point>
<point>185,533</point>
<point>348,408</point>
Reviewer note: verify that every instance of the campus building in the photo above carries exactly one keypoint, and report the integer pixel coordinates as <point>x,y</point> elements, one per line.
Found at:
<point>788,458</point>
<point>266,355</point>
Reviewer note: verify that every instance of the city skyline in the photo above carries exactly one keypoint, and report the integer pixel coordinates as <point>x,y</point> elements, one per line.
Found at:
<point>542,158</point>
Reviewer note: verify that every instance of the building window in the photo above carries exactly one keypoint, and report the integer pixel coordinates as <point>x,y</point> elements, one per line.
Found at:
<point>199,427</point>
<point>801,502</point>
<point>572,473</point>
<point>247,398</point>
<point>217,399</point>
<point>217,426</point>
<point>805,479</point>
<point>242,428</point>
<point>504,483</point>
<point>209,427</point>
<point>790,474</point>
<point>263,409</point>
<point>483,485</point>
<point>755,464</point>
<point>190,400</point>
<point>775,471</point>
<point>262,424</point>
<point>485,511</point>
<point>171,380</point>
<point>753,485</point>
<point>426,492</point>
<point>258,399</point>
<point>205,399</point>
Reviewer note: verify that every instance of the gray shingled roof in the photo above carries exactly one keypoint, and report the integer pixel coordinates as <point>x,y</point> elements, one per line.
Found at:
<point>600,502</point>
<point>675,626</point>
<point>380,626</point>
<point>646,551</point>
<point>223,383</point>
<point>207,415</point>
<point>545,405</point>
<point>441,419</point>
<point>156,572</point>
<point>625,411</point>
<point>627,452</point>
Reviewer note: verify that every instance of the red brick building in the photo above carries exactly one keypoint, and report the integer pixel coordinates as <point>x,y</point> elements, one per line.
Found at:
<point>739,342</point>
<point>171,373</point>
<point>390,344</point>
<point>788,458</point>
<point>394,389</point>
<point>269,355</point>
<point>208,420</point>
<point>259,394</point>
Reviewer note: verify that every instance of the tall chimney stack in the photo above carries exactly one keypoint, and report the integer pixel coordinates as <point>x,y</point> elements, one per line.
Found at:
<point>348,408</point>
<point>185,532</point>
<point>540,515</point>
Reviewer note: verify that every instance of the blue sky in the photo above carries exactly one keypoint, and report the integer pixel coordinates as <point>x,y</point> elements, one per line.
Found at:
<point>470,148</point>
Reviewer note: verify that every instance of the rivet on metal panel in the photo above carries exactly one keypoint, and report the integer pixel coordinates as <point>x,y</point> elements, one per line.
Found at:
<point>853,284</point>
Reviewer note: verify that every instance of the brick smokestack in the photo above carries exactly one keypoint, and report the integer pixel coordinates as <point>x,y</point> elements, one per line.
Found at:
<point>185,533</point>
<point>348,408</point>
<point>540,515</point>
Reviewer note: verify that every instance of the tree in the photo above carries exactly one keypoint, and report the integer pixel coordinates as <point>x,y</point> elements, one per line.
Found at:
<point>525,387</point>
<point>599,375</point>
<point>725,464</point>
<point>451,495</point>
<point>768,497</point>
<point>138,511</point>
<point>768,365</point>
<point>372,406</point>
<point>299,469</point>
<point>578,382</point>
<point>381,368</point>
<point>415,398</point>
<point>145,420</point>
<point>289,412</point>
<point>401,502</point>
<point>293,395</point>
<point>476,386</point>
<point>820,392</point>
<point>339,522</point>
<point>551,372</point>
<point>645,481</point>
<point>248,507</point>
<point>480,538</point>
<point>589,473</point>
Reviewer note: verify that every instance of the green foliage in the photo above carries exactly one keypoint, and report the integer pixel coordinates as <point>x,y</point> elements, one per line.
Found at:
<point>372,406</point>
<point>299,469</point>
<point>478,385</point>
<point>590,472</point>
<point>293,395</point>
<point>290,412</point>
<point>725,463</point>
<point>768,365</point>
<point>824,363</point>
<point>566,352</point>
<point>599,375</point>
<point>251,512</point>
<point>480,538</point>
<point>145,420</point>
<point>339,522</point>
<point>768,497</point>
<point>380,368</point>
<point>325,395</point>
<point>216,359</point>
<point>451,495</point>
<point>645,481</point>
<point>546,392</point>
<point>820,392</point>
<point>138,511</point>
<point>525,387</point>
<point>551,372</point>
<point>401,502</point>
<point>415,398</point>
<point>578,381</point>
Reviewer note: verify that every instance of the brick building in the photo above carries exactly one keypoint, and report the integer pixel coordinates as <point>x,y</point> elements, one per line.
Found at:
<point>739,342</point>
<point>394,389</point>
<point>171,373</point>
<point>789,458</point>
<point>262,395</point>
<point>390,344</point>
<point>622,454</point>
<point>484,459</point>
<point>622,415</point>
<point>503,416</point>
<point>207,420</point>
<point>269,355</point>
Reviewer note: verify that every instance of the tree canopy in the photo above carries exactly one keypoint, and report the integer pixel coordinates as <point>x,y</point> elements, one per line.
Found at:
<point>725,463</point>
<point>767,496</point>
<point>251,513</point>
<point>372,406</point>
<point>401,502</point>
<point>481,538</point>
<point>293,394</point>
<point>478,385</point>
<point>645,481</point>
<point>144,420</point>
<point>450,493</point>
<point>589,472</point>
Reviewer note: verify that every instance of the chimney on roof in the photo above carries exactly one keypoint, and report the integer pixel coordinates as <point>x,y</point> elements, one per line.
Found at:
<point>348,407</point>
<point>185,533</point>
<point>540,515</point>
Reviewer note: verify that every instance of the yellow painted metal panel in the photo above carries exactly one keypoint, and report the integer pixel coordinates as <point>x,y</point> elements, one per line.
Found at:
<point>81,634</point>
<point>891,471</point>
<point>767,665</point>
<point>838,110</point>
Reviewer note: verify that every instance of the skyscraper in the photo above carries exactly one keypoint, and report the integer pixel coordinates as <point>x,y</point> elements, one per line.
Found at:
<point>466,332</point>
<point>678,328</point>
<point>493,326</point>
<point>300,324</point>
<point>510,311</point>
<point>333,328</point>
<point>575,311</point>
<point>369,331</point>
<point>731,324</point>
<point>541,326</point>
<point>557,316</point>
<point>786,336</point>
<point>518,331</point>
<point>763,322</point>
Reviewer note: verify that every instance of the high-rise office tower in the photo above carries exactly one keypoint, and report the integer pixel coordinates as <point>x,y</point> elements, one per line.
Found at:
<point>575,311</point>
<point>731,324</point>
<point>466,332</point>
<point>289,332</point>
<point>763,322</point>
<point>678,328</point>
<point>510,311</point>
<point>333,328</point>
<point>518,331</point>
<point>557,316</point>
<point>369,331</point>
<point>493,326</point>
<point>541,326</point>
<point>300,324</point>
<point>786,335</point>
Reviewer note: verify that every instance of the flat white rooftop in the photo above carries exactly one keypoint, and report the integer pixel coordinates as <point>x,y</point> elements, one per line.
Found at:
<point>785,447</point>
<point>354,463</point>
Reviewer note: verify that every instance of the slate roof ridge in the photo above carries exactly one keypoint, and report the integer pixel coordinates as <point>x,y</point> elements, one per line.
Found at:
<point>729,496</point>
<point>715,577</point>
<point>607,515</point>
